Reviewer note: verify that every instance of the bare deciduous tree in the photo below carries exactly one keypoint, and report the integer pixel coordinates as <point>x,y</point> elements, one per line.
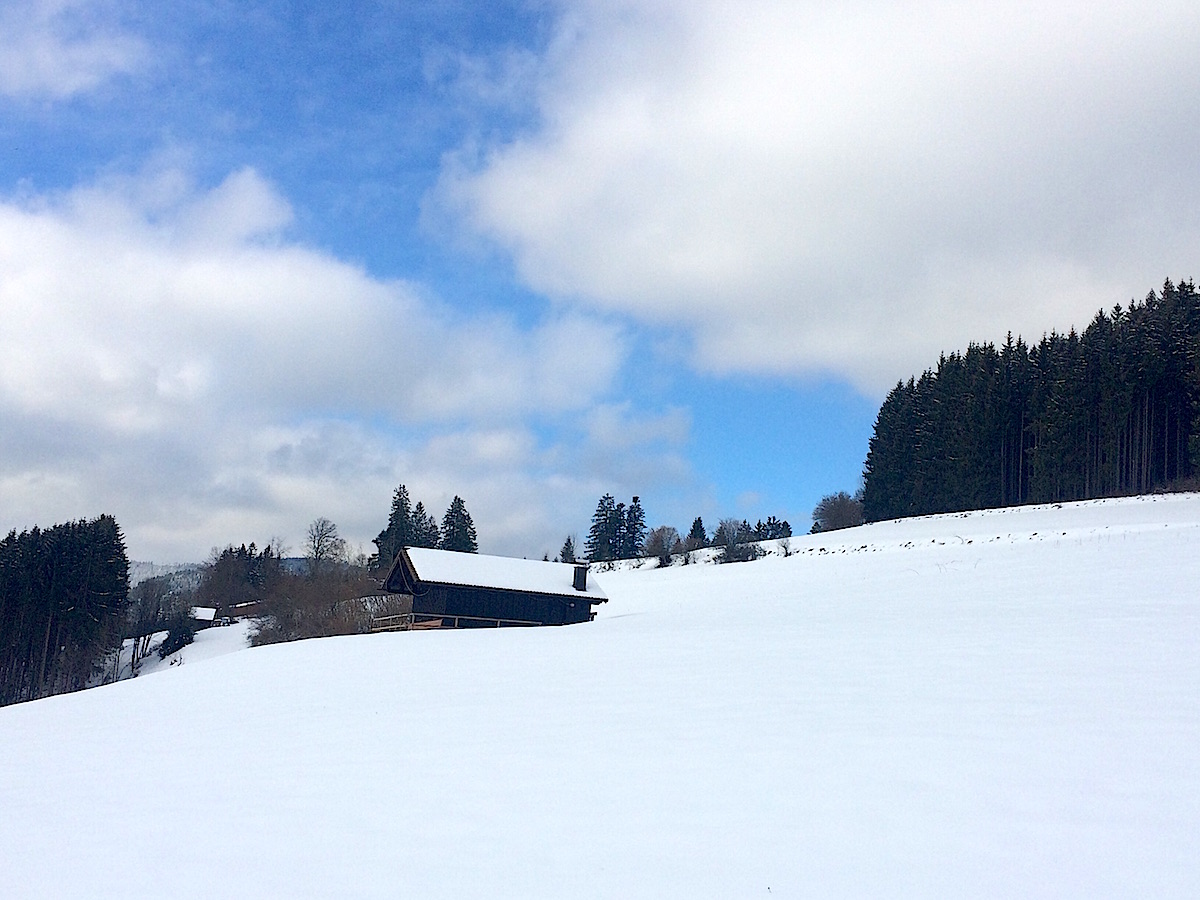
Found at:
<point>148,610</point>
<point>323,546</point>
<point>662,542</point>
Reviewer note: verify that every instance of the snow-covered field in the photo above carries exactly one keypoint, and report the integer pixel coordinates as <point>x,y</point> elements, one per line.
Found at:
<point>1001,704</point>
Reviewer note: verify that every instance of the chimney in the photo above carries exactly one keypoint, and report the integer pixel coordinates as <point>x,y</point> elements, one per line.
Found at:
<point>581,578</point>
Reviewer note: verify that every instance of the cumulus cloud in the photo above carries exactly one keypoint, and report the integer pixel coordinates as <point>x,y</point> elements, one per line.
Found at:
<point>59,48</point>
<point>849,188</point>
<point>169,354</point>
<point>137,316</point>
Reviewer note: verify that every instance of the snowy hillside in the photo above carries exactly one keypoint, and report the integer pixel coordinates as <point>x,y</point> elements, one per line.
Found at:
<point>998,704</point>
<point>208,643</point>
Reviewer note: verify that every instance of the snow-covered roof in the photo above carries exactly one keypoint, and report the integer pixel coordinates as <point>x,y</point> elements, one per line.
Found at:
<point>204,613</point>
<point>502,572</point>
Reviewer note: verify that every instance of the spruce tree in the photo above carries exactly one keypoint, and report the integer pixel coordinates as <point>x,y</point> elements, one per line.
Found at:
<point>599,544</point>
<point>1109,411</point>
<point>616,531</point>
<point>425,528</point>
<point>399,530</point>
<point>63,599</point>
<point>458,531</point>
<point>697,537</point>
<point>567,553</point>
<point>633,538</point>
<point>773,529</point>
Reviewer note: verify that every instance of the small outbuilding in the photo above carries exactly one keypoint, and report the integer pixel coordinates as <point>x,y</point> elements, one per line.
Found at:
<point>465,590</point>
<point>203,616</point>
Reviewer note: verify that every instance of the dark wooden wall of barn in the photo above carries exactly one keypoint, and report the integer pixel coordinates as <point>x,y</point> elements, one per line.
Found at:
<point>485,603</point>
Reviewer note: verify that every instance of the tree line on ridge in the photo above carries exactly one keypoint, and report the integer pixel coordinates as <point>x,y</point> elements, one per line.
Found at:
<point>1109,412</point>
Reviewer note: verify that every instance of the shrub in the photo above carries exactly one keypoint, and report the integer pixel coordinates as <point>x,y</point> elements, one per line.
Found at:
<point>836,511</point>
<point>177,638</point>
<point>325,604</point>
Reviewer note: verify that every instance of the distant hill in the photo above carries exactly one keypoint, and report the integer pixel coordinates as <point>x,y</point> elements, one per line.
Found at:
<point>140,571</point>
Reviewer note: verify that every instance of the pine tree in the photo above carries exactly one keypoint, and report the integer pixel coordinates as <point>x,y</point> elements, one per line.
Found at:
<point>567,553</point>
<point>697,537</point>
<point>458,531</point>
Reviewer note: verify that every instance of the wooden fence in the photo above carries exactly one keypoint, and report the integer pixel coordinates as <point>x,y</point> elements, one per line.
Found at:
<point>421,621</point>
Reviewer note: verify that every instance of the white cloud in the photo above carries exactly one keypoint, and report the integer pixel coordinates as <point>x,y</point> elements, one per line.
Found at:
<point>615,432</point>
<point>58,48</point>
<point>851,188</point>
<point>170,355</point>
<point>120,313</point>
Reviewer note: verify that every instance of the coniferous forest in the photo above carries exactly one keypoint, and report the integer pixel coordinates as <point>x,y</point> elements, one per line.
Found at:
<point>63,597</point>
<point>1109,412</point>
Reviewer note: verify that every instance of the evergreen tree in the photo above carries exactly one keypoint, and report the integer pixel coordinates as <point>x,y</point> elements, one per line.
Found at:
<point>239,575</point>
<point>425,528</point>
<point>772,529</point>
<point>63,598</point>
<point>617,532</point>
<point>458,531</point>
<point>600,541</point>
<point>567,553</point>
<point>697,537</point>
<point>399,530</point>
<point>633,536</point>
<point>777,530</point>
<point>1107,412</point>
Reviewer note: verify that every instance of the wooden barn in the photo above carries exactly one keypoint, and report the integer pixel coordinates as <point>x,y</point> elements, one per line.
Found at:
<point>466,590</point>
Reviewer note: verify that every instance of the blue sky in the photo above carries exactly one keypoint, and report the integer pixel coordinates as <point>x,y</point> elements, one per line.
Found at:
<point>262,261</point>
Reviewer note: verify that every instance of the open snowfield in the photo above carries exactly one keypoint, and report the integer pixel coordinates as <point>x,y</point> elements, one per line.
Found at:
<point>1001,704</point>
